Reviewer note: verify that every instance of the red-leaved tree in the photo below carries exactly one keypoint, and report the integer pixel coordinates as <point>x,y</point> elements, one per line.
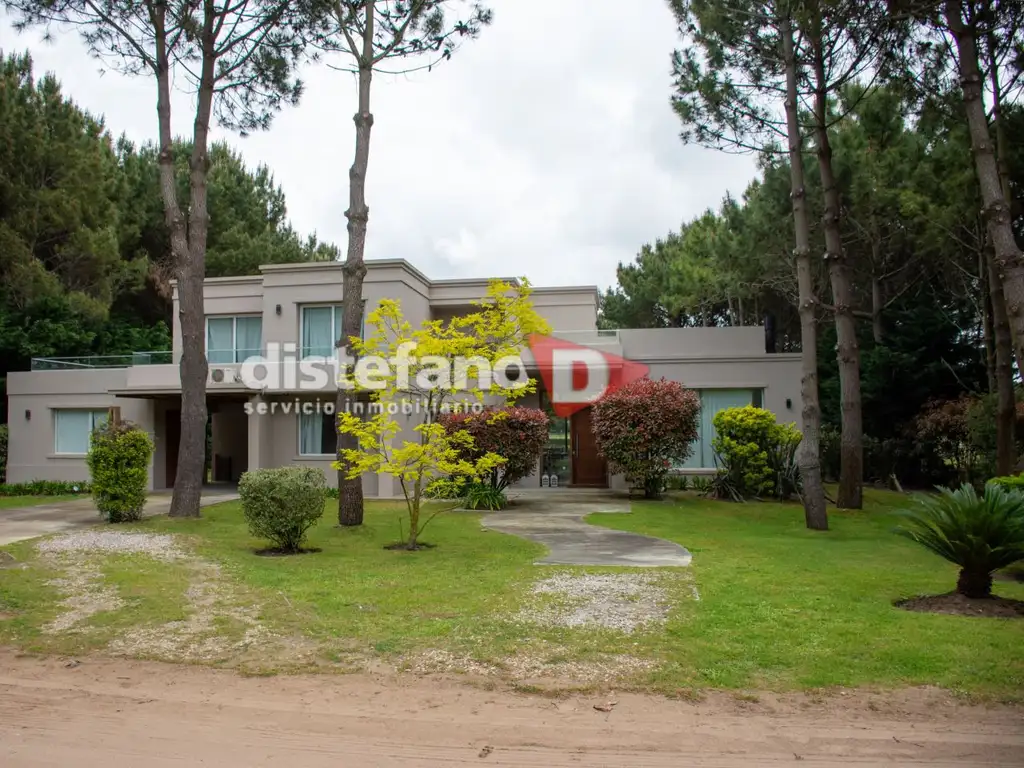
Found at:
<point>517,434</point>
<point>645,427</point>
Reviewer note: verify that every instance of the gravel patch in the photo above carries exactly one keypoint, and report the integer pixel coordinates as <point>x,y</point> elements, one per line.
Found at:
<point>625,602</point>
<point>524,667</point>
<point>85,596</point>
<point>159,545</point>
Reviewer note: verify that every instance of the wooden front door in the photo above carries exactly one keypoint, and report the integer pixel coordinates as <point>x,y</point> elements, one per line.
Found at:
<point>172,434</point>
<point>588,468</point>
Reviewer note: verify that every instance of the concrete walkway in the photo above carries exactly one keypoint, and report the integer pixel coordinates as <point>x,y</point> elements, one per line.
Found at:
<point>554,518</point>
<point>19,523</point>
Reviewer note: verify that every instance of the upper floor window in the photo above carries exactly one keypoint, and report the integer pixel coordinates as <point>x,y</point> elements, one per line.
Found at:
<point>233,339</point>
<point>321,330</point>
<point>73,428</point>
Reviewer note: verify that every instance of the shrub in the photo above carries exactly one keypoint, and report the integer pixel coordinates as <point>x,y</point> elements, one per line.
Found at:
<point>757,455</point>
<point>484,496</point>
<point>3,453</point>
<point>282,503</point>
<point>981,534</point>
<point>702,484</point>
<point>677,483</point>
<point>646,427</point>
<point>1009,483</point>
<point>45,488</point>
<point>447,488</point>
<point>517,434</point>
<point>118,461</point>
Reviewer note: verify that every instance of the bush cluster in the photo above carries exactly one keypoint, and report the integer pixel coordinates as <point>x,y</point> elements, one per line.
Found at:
<point>757,455</point>
<point>517,434</point>
<point>45,488</point>
<point>645,428</point>
<point>281,504</point>
<point>118,460</point>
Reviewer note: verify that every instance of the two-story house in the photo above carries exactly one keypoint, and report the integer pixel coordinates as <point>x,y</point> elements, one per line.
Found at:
<point>54,407</point>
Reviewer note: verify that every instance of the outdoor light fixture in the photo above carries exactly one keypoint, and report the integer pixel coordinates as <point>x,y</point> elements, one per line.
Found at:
<point>28,415</point>
<point>278,309</point>
<point>789,403</point>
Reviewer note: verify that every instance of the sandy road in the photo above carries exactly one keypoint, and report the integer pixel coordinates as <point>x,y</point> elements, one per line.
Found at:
<point>113,713</point>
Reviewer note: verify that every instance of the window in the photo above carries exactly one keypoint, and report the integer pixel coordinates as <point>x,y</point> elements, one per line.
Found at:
<point>72,429</point>
<point>317,434</point>
<point>233,339</point>
<point>321,329</point>
<point>711,402</point>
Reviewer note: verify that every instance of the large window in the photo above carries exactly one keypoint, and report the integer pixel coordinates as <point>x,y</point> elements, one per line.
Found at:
<point>317,434</point>
<point>321,330</point>
<point>72,429</point>
<point>711,402</point>
<point>233,339</point>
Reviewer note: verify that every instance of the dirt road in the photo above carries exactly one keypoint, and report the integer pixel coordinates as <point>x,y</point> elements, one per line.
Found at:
<point>112,713</point>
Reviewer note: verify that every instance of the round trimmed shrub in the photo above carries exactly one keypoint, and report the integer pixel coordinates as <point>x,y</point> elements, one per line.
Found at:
<point>646,427</point>
<point>118,461</point>
<point>282,503</point>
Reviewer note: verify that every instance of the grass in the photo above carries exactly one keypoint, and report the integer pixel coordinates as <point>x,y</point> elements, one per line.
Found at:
<point>10,502</point>
<point>780,608</point>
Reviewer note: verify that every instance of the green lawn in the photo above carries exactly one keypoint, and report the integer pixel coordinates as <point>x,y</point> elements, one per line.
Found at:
<point>10,502</point>
<point>779,607</point>
<point>784,607</point>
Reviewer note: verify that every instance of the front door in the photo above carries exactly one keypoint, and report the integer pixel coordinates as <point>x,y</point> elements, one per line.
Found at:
<point>172,431</point>
<point>588,468</point>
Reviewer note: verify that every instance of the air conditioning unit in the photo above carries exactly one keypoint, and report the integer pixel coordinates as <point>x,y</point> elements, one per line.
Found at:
<point>217,375</point>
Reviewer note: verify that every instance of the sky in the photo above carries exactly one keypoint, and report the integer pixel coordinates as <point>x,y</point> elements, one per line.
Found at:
<point>546,148</point>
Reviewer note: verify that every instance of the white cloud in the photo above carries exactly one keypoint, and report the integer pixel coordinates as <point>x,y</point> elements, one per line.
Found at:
<point>546,148</point>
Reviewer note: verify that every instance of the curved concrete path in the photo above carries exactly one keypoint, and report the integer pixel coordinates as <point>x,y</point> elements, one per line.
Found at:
<point>554,518</point>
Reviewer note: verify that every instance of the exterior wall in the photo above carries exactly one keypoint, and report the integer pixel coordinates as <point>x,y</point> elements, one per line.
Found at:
<point>701,358</point>
<point>31,454</point>
<point>567,309</point>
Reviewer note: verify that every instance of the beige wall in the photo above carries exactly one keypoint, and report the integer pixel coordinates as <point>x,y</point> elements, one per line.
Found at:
<point>31,445</point>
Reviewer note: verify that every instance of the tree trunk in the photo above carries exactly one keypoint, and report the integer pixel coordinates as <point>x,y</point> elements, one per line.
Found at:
<point>1006,405</point>
<point>188,482</point>
<point>1008,258</point>
<point>847,351</point>
<point>974,584</point>
<point>350,495</point>
<point>987,330</point>
<point>1002,338</point>
<point>877,330</point>
<point>815,513</point>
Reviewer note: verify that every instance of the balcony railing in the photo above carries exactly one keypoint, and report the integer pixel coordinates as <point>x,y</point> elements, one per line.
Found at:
<point>101,361</point>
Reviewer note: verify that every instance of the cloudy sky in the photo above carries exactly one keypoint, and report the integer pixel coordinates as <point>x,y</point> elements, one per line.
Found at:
<point>545,148</point>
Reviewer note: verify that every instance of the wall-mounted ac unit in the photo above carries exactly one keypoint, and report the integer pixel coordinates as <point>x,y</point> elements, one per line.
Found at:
<point>225,376</point>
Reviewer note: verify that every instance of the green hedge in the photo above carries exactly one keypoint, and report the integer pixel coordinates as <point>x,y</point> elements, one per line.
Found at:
<point>1009,483</point>
<point>45,488</point>
<point>118,460</point>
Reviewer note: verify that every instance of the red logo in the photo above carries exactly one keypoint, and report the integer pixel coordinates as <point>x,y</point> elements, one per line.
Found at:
<point>576,376</point>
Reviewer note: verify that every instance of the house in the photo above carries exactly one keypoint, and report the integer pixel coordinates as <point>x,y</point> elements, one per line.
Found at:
<point>54,407</point>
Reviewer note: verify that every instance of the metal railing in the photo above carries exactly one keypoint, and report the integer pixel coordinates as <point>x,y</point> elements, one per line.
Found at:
<point>89,362</point>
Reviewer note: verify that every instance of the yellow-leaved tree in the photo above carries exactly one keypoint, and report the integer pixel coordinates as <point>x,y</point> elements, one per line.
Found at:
<point>412,374</point>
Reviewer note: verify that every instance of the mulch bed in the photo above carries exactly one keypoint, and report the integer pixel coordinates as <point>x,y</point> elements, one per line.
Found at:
<point>955,604</point>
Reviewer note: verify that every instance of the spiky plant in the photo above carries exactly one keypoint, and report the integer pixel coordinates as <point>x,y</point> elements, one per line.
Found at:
<point>981,534</point>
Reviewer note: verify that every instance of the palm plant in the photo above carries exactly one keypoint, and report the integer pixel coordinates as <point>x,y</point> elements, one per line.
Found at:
<point>981,534</point>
